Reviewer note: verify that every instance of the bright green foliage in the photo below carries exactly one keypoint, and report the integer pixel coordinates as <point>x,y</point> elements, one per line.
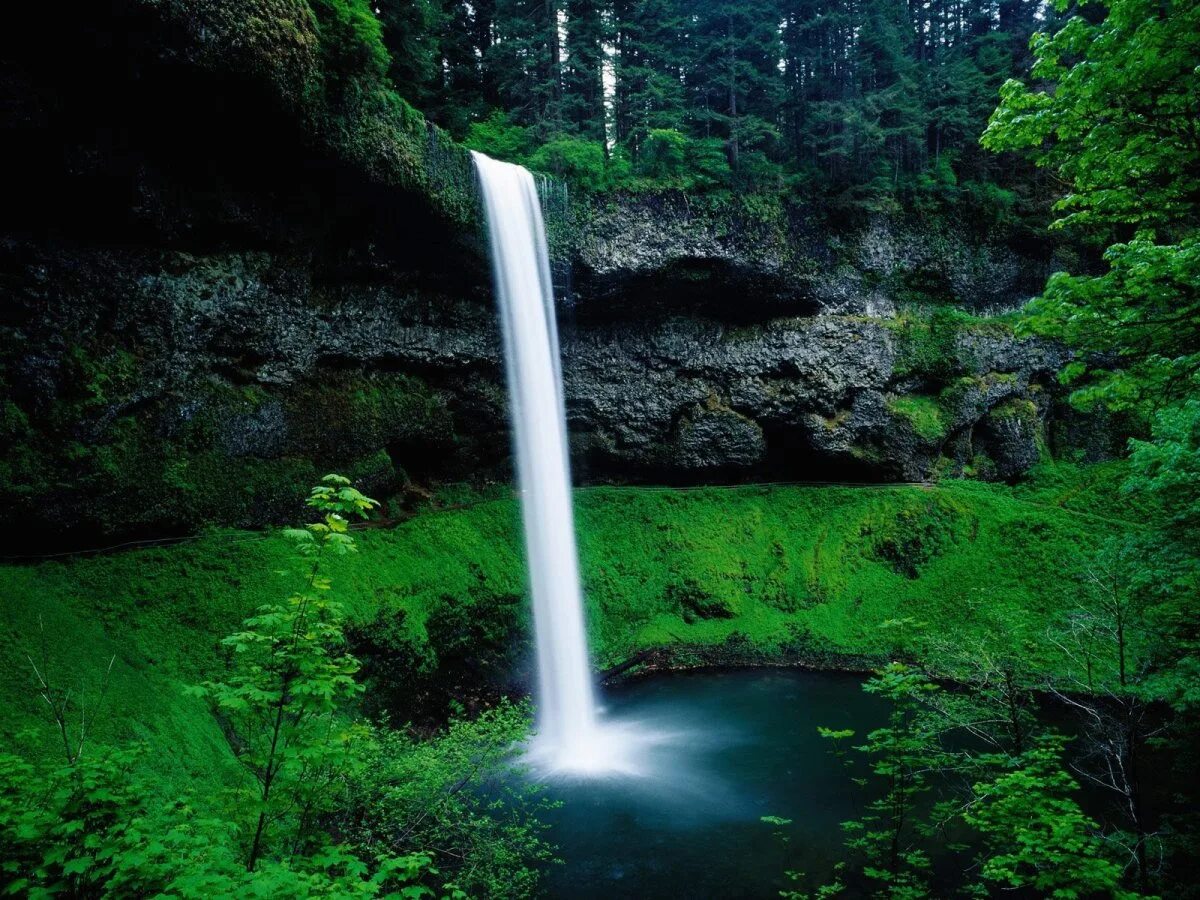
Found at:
<point>886,837</point>
<point>458,792</point>
<point>995,772</point>
<point>1168,468</point>
<point>1144,313</point>
<point>579,160</point>
<point>337,808</point>
<point>498,135</point>
<point>1037,836</point>
<point>351,46</point>
<point>1095,490</point>
<point>289,679</point>
<point>806,572</point>
<point>99,829</point>
<point>813,573</point>
<point>1115,121</point>
<point>65,836</point>
<point>669,158</point>
<point>1116,116</point>
<point>1166,563</point>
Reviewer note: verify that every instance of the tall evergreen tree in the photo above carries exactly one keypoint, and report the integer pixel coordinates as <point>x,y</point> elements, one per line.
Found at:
<point>650,42</point>
<point>525,61</point>
<point>890,121</point>
<point>733,85</point>
<point>871,101</point>
<point>587,34</point>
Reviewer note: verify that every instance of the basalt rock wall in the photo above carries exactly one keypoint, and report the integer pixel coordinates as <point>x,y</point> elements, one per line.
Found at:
<point>225,269</point>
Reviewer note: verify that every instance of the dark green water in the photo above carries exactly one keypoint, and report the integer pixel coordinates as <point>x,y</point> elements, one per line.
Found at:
<point>735,746</point>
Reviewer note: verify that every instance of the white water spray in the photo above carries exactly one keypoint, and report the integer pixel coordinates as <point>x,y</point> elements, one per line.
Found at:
<point>521,266</point>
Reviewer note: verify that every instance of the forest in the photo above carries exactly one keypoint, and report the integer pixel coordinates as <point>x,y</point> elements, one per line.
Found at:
<point>782,480</point>
<point>865,105</point>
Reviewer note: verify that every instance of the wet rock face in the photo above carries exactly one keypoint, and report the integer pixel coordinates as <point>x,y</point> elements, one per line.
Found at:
<point>1008,435</point>
<point>712,438</point>
<point>688,395</point>
<point>680,254</point>
<point>796,398</point>
<point>210,295</point>
<point>241,362</point>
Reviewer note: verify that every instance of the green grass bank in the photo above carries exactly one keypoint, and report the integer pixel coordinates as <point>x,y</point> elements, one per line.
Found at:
<point>825,574</point>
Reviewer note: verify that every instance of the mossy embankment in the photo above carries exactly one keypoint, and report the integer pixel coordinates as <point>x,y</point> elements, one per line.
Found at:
<point>827,575</point>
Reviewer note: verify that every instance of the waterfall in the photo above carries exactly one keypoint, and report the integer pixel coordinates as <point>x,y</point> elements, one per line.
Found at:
<point>521,268</point>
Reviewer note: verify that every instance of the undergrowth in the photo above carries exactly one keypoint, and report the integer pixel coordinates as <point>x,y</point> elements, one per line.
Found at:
<point>822,573</point>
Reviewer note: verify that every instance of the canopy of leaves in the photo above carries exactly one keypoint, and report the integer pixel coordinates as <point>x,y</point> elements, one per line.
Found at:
<point>1113,114</point>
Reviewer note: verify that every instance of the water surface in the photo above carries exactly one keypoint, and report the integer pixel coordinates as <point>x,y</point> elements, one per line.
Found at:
<point>725,749</point>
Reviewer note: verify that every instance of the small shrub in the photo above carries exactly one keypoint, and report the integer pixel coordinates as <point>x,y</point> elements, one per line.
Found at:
<point>499,136</point>
<point>289,679</point>
<point>669,158</point>
<point>443,792</point>
<point>579,161</point>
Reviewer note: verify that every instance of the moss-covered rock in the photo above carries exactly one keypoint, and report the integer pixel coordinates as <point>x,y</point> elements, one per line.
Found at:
<point>697,603</point>
<point>105,450</point>
<point>922,413</point>
<point>909,535</point>
<point>323,63</point>
<point>231,254</point>
<point>1011,435</point>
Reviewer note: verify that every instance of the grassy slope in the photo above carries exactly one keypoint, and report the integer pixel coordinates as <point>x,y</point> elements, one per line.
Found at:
<point>811,570</point>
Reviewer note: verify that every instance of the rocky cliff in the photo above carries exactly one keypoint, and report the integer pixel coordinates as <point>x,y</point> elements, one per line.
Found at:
<point>231,263</point>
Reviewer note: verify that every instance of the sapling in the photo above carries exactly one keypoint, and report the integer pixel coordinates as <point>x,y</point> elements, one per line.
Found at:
<point>290,677</point>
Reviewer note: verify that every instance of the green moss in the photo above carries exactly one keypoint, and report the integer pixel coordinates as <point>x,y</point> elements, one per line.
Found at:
<point>816,571</point>
<point>351,40</point>
<point>923,413</point>
<point>963,387</point>
<point>981,466</point>
<point>928,341</point>
<point>912,533</point>
<point>837,420</point>
<point>925,344</point>
<point>1093,490</point>
<point>1016,409</point>
<point>366,413</point>
<point>325,60</point>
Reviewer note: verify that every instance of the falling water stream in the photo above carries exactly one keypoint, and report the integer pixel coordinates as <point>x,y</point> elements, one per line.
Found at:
<point>567,728</point>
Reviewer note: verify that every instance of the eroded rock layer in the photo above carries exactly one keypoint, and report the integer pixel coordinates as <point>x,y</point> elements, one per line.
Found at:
<point>225,271</point>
